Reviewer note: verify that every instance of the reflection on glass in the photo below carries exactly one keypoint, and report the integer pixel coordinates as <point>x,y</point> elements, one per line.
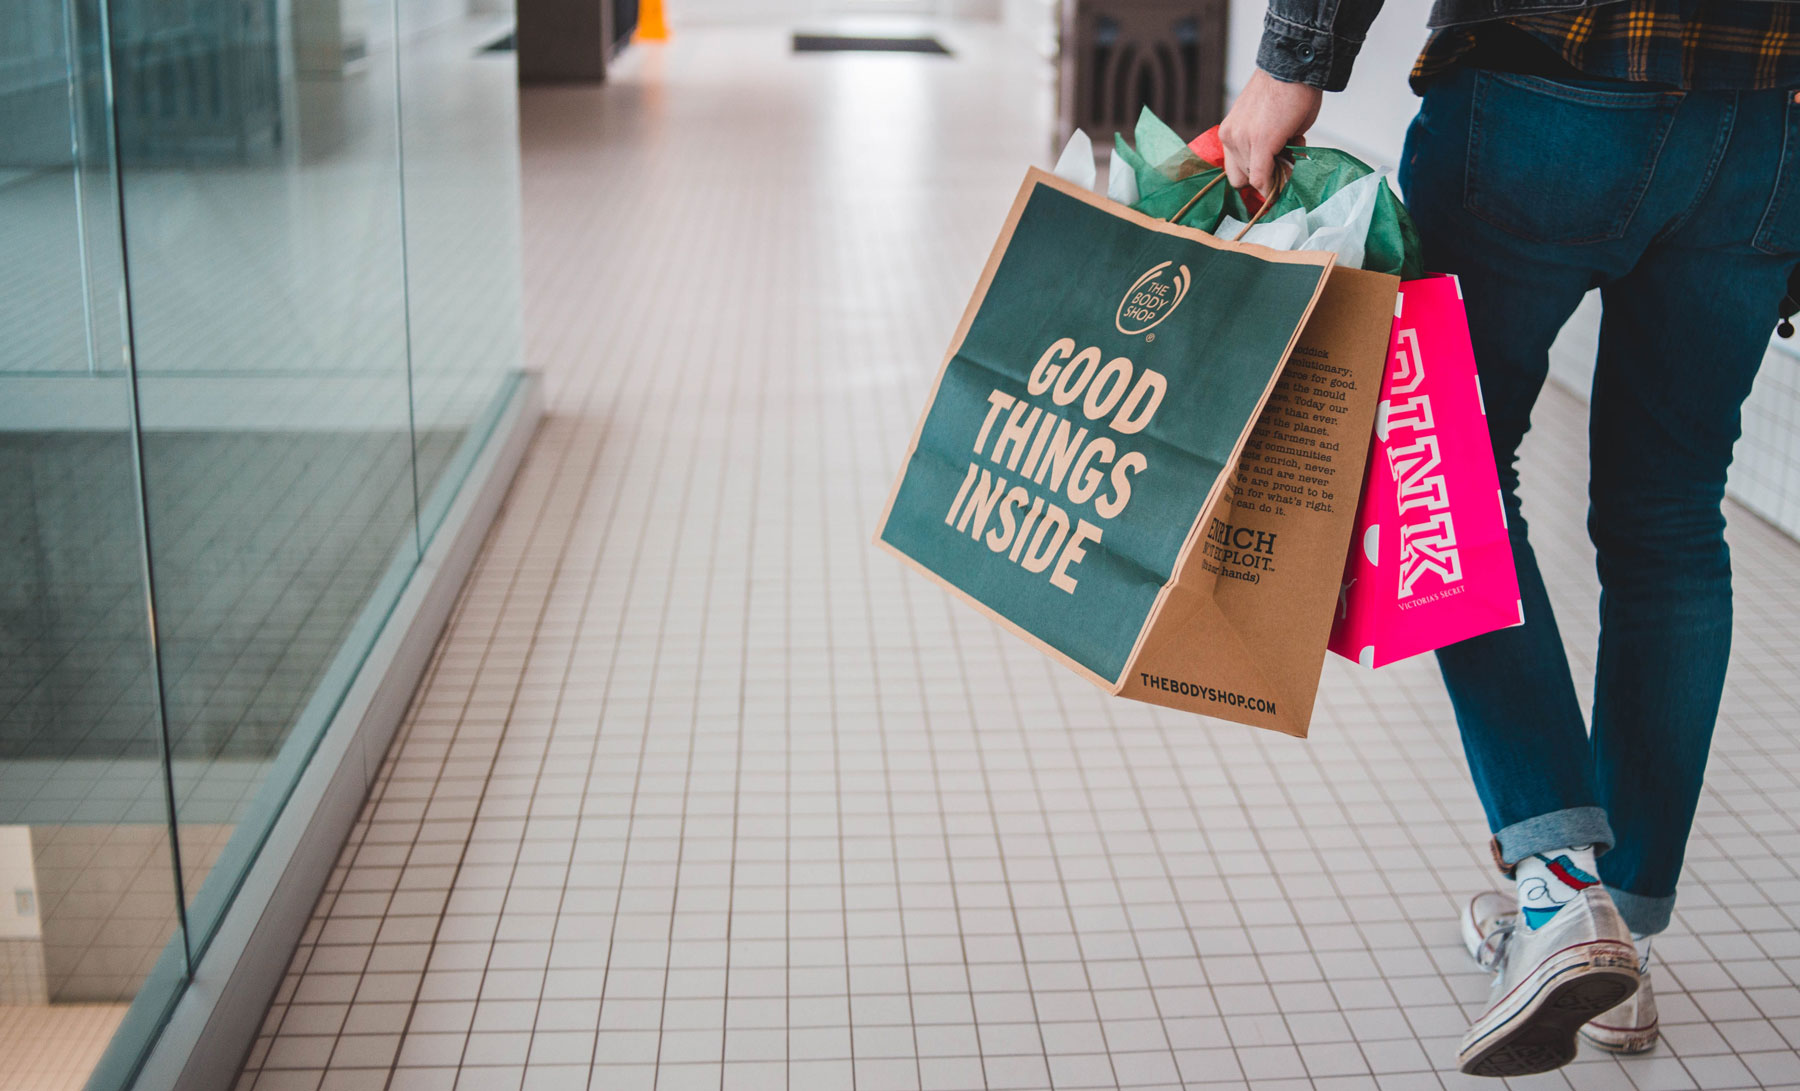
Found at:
<point>319,337</point>
<point>87,890</point>
<point>220,404</point>
<point>263,227</point>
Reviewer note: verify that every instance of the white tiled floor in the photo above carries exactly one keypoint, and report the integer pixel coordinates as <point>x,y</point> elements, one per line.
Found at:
<point>53,1047</point>
<point>701,791</point>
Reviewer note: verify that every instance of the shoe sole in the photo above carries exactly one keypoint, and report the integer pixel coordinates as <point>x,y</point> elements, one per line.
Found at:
<point>1540,1034</point>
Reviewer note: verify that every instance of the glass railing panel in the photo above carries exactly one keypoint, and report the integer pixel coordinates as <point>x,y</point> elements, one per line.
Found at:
<point>260,175</point>
<point>459,131</point>
<point>88,902</point>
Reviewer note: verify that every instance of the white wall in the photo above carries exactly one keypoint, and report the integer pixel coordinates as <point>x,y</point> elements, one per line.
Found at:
<point>678,12</point>
<point>792,11</point>
<point>1034,22</point>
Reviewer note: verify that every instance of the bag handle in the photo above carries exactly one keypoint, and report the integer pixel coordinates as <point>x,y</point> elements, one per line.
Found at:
<point>1284,170</point>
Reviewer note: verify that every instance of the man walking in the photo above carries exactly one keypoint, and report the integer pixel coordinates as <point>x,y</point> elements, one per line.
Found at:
<point>1650,149</point>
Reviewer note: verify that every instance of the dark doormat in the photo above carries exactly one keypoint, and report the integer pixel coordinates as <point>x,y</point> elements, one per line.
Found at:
<point>838,43</point>
<point>507,43</point>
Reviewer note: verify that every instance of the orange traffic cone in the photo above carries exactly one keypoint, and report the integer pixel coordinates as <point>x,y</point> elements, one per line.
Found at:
<point>650,27</point>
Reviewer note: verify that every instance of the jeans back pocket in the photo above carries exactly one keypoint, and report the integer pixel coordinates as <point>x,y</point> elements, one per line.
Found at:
<point>1779,231</point>
<point>1557,162</point>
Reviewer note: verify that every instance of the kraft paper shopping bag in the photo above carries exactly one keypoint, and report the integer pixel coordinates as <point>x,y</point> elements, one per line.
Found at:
<point>1076,473</point>
<point>1244,634</point>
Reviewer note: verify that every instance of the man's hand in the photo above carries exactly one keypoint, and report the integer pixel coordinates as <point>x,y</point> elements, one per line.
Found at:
<point>1266,118</point>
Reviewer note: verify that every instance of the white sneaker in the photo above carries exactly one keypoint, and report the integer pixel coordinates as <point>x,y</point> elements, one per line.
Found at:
<point>1629,1028</point>
<point>1547,983</point>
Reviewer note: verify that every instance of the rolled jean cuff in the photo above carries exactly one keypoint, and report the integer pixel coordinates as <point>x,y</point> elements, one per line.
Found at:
<point>1556,830</point>
<point>1644,915</point>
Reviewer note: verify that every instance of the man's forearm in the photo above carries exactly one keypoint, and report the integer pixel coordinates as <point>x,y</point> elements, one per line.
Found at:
<point>1314,42</point>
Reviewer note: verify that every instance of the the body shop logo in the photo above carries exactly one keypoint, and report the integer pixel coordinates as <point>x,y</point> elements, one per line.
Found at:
<point>1153,298</point>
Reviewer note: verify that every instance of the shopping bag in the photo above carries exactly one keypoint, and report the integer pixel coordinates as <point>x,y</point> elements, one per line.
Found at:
<point>1430,563</point>
<point>1142,451</point>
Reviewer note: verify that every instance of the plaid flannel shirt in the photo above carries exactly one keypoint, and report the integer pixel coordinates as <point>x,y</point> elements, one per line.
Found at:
<point>1689,44</point>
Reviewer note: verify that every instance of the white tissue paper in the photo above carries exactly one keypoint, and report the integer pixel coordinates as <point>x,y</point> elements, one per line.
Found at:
<point>1076,163</point>
<point>1284,232</point>
<point>1340,225</point>
<point>1121,182</point>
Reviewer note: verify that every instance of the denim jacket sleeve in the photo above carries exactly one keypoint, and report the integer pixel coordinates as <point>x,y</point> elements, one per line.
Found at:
<point>1314,41</point>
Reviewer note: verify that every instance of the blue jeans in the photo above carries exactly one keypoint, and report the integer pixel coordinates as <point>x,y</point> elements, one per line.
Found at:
<point>1684,210</point>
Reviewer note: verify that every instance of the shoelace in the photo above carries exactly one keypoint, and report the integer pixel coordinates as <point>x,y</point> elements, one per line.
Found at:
<point>1492,954</point>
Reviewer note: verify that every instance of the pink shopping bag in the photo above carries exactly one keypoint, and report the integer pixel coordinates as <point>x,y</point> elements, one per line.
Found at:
<point>1429,563</point>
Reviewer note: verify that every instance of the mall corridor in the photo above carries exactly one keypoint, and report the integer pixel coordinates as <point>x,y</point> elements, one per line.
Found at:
<point>701,790</point>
